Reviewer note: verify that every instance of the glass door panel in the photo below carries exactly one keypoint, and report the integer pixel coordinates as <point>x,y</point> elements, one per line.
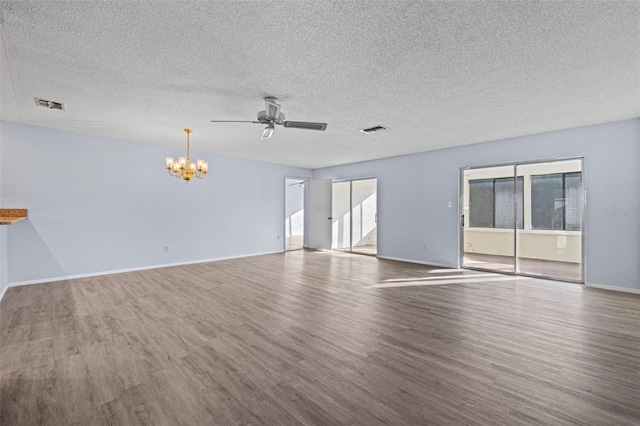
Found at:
<point>341,216</point>
<point>492,209</point>
<point>364,216</point>
<point>294,214</point>
<point>550,244</point>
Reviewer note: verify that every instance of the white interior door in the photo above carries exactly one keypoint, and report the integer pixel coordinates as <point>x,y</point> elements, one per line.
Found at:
<point>319,214</point>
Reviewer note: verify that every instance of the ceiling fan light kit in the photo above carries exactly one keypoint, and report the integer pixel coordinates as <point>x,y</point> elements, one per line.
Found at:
<point>267,132</point>
<point>272,116</point>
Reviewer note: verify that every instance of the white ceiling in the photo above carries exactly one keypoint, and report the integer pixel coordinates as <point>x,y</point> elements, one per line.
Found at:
<point>438,74</point>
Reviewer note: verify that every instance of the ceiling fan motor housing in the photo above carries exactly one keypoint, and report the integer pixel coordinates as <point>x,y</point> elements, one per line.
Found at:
<point>272,107</point>
<point>264,118</point>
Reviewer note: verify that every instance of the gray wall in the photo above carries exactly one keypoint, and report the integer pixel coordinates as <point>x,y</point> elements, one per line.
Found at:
<point>414,191</point>
<point>99,204</point>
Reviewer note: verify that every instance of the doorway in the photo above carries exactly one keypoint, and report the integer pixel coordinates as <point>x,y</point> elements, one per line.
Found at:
<point>354,216</point>
<point>294,201</point>
<point>525,218</point>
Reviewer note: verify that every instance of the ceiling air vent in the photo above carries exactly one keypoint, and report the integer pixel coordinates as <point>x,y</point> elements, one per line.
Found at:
<point>49,104</point>
<point>374,129</point>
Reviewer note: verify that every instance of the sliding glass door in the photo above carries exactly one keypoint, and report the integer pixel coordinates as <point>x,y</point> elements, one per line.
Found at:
<point>354,216</point>
<point>524,218</point>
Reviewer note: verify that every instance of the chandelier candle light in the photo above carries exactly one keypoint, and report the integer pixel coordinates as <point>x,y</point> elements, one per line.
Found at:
<point>184,167</point>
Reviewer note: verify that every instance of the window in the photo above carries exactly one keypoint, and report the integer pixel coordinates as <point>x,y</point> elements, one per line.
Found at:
<point>491,203</point>
<point>556,201</point>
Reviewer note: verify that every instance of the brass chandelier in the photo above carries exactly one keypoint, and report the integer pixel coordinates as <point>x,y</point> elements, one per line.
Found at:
<point>184,168</point>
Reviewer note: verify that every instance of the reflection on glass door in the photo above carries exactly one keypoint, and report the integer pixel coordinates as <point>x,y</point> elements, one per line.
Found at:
<point>525,219</point>
<point>550,245</point>
<point>294,213</point>
<point>341,216</point>
<point>354,216</point>
<point>364,216</point>
<point>490,216</point>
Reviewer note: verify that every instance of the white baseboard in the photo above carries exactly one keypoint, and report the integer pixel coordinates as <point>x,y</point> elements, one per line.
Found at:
<point>614,288</point>
<point>142,268</point>
<point>192,262</point>
<point>420,262</point>
<point>4,290</point>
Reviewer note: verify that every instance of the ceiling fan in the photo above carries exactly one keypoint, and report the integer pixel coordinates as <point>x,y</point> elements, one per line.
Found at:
<point>272,116</point>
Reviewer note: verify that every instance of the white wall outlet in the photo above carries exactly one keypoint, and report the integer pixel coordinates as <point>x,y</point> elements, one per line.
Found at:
<point>278,237</point>
<point>166,248</point>
<point>450,204</point>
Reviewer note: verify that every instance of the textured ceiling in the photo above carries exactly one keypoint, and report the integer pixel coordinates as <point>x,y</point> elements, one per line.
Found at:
<point>438,74</point>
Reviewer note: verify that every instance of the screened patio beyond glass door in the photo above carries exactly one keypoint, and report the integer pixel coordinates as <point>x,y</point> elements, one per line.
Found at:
<point>489,236</point>
<point>525,219</point>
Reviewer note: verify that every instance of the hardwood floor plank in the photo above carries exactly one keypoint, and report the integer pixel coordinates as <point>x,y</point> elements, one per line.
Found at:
<point>315,338</point>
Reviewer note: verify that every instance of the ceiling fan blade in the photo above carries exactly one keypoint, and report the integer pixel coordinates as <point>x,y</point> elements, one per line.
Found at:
<point>234,121</point>
<point>305,125</point>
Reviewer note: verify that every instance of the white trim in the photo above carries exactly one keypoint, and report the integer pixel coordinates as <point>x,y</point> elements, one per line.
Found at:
<point>614,288</point>
<point>4,291</point>
<point>420,262</point>
<point>142,268</point>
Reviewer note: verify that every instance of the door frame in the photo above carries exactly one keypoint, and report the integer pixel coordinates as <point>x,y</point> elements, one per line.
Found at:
<point>305,202</point>
<point>351,180</point>
<point>515,272</point>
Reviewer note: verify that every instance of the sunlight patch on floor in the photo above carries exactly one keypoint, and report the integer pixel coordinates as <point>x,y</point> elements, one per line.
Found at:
<point>453,277</point>
<point>447,281</point>
<point>446,271</point>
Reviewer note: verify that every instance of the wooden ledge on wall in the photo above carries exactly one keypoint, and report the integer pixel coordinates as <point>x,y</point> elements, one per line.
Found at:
<point>9,216</point>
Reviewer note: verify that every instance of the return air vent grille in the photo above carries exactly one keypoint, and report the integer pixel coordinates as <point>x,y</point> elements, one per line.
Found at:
<point>49,104</point>
<point>374,129</point>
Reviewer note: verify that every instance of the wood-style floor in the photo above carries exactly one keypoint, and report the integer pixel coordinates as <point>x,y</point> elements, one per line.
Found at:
<point>319,339</point>
<point>536,267</point>
<point>293,242</point>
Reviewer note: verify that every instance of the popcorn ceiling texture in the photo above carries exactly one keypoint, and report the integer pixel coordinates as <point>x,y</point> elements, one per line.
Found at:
<point>438,74</point>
